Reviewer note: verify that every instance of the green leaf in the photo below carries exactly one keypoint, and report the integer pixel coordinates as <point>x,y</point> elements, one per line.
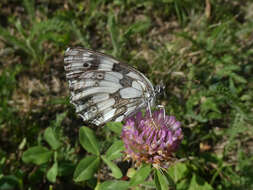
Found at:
<point>10,182</point>
<point>88,140</point>
<point>170,181</point>
<point>161,181</point>
<point>59,118</point>
<point>113,29</point>
<point>112,185</point>
<point>52,173</point>
<point>157,184</point>
<point>115,150</point>
<point>138,27</point>
<point>20,28</point>
<point>16,42</point>
<point>209,104</point>
<point>50,137</point>
<point>66,168</point>
<point>149,184</point>
<point>29,6</point>
<point>140,175</point>
<point>76,30</point>
<point>131,172</point>
<point>183,184</point>
<point>178,171</point>
<point>199,183</point>
<point>86,168</point>
<point>115,170</point>
<point>37,155</point>
<point>238,78</point>
<point>116,127</point>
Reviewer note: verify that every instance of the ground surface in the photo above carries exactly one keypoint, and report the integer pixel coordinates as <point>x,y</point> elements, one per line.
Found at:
<point>201,50</point>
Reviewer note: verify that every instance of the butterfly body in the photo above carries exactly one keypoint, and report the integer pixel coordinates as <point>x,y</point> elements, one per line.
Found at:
<point>104,89</point>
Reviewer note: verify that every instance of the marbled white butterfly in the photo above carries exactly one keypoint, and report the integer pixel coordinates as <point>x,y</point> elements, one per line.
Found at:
<point>104,89</point>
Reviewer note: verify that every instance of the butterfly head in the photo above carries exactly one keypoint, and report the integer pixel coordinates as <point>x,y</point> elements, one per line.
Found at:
<point>159,89</point>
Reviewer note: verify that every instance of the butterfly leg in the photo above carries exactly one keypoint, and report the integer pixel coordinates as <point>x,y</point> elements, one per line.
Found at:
<point>149,110</point>
<point>150,114</point>
<point>163,108</point>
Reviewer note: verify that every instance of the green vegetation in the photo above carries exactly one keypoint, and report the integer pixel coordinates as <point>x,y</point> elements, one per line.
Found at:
<point>201,50</point>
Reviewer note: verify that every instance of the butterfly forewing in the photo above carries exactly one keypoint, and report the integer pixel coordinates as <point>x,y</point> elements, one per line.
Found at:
<point>104,89</point>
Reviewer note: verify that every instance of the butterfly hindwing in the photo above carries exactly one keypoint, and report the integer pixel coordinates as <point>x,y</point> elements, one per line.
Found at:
<point>102,88</point>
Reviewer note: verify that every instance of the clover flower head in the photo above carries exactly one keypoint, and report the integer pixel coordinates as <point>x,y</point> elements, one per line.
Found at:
<point>151,139</point>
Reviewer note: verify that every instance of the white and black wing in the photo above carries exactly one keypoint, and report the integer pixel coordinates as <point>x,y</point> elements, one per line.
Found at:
<point>104,89</point>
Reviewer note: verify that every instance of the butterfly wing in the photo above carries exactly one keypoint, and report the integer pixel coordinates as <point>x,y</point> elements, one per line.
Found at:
<point>104,89</point>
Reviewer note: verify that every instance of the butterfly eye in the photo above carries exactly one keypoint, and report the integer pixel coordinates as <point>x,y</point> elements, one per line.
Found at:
<point>86,65</point>
<point>100,76</point>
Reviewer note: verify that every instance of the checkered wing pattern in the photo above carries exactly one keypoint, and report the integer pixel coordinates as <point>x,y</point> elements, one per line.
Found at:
<point>104,89</point>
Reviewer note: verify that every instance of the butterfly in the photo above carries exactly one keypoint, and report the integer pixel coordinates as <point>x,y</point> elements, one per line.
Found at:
<point>104,89</point>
